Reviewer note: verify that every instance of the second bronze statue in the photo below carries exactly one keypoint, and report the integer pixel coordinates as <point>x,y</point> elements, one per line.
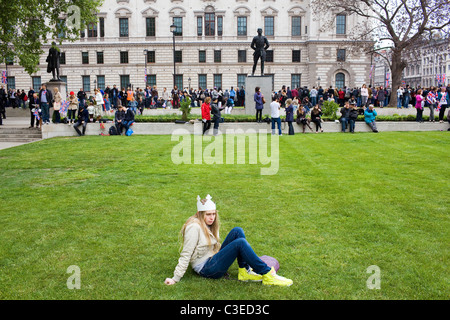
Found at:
<point>259,44</point>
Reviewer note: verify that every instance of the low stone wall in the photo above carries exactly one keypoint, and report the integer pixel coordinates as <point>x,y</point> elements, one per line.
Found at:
<point>64,130</point>
<point>242,111</point>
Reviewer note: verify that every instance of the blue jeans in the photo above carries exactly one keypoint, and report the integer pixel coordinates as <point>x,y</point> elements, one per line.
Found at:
<point>278,121</point>
<point>127,124</point>
<point>399,102</point>
<point>344,122</point>
<point>352,125</point>
<point>45,112</point>
<point>405,102</point>
<point>216,121</point>
<point>22,103</point>
<point>234,246</point>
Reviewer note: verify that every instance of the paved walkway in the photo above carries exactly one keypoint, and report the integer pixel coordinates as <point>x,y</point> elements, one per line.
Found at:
<point>6,145</point>
<point>14,122</point>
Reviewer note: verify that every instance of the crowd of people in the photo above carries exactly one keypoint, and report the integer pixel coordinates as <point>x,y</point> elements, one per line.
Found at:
<point>307,104</point>
<point>301,105</point>
<point>110,99</point>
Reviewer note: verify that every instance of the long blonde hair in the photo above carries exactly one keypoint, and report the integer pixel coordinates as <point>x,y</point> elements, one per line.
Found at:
<point>199,218</point>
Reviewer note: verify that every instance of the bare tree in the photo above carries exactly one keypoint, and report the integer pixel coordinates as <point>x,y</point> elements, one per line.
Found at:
<point>402,23</point>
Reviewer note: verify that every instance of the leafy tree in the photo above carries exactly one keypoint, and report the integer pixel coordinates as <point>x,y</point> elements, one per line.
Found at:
<point>329,109</point>
<point>403,24</point>
<point>27,25</point>
<point>185,107</point>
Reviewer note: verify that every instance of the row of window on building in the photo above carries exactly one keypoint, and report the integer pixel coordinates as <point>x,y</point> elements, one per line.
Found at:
<point>209,25</point>
<point>202,57</point>
<point>415,70</point>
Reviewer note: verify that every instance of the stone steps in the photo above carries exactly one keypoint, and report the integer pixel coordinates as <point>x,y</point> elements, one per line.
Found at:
<point>11,134</point>
<point>24,140</point>
<point>24,135</point>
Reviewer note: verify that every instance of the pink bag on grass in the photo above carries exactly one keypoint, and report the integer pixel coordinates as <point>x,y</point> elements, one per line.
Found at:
<point>271,262</point>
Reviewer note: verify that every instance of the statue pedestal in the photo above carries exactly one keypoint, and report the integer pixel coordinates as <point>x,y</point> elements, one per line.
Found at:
<point>61,85</point>
<point>265,83</point>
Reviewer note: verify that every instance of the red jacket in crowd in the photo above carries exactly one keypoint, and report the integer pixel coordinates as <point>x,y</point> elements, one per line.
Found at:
<point>206,111</point>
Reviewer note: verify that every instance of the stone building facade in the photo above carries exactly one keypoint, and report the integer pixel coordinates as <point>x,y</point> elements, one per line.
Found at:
<point>431,67</point>
<point>212,46</point>
<point>427,66</point>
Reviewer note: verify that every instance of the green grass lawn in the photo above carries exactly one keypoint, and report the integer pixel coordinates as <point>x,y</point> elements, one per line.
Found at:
<point>114,206</point>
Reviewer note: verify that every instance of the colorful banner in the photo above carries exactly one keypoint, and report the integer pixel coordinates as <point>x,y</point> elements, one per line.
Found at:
<point>36,114</point>
<point>63,109</point>
<point>4,77</point>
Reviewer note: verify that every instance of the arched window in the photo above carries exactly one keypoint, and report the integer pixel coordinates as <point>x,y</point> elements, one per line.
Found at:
<point>340,80</point>
<point>210,20</point>
<point>213,22</point>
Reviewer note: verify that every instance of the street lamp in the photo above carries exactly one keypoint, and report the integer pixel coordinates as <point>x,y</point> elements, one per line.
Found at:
<point>173,29</point>
<point>6,79</point>
<point>146,58</point>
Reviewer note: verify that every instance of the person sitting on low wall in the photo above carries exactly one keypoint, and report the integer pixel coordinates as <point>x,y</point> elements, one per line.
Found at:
<point>83,119</point>
<point>352,117</point>
<point>128,120</point>
<point>119,118</point>
<point>369,116</point>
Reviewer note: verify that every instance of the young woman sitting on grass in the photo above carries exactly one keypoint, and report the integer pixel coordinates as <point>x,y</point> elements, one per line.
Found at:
<point>201,248</point>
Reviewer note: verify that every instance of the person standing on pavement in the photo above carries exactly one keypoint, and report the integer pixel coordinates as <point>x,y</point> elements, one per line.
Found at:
<point>45,98</point>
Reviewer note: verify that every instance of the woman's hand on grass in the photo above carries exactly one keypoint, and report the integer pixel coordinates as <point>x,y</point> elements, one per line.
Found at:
<point>169,281</point>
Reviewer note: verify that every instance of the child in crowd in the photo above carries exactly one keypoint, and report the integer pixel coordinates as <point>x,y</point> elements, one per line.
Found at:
<point>140,105</point>
<point>91,111</point>
<point>229,106</point>
<point>73,107</point>
<point>206,114</point>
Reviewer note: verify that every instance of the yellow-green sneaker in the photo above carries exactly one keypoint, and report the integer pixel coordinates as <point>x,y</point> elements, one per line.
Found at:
<point>248,275</point>
<point>272,279</point>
